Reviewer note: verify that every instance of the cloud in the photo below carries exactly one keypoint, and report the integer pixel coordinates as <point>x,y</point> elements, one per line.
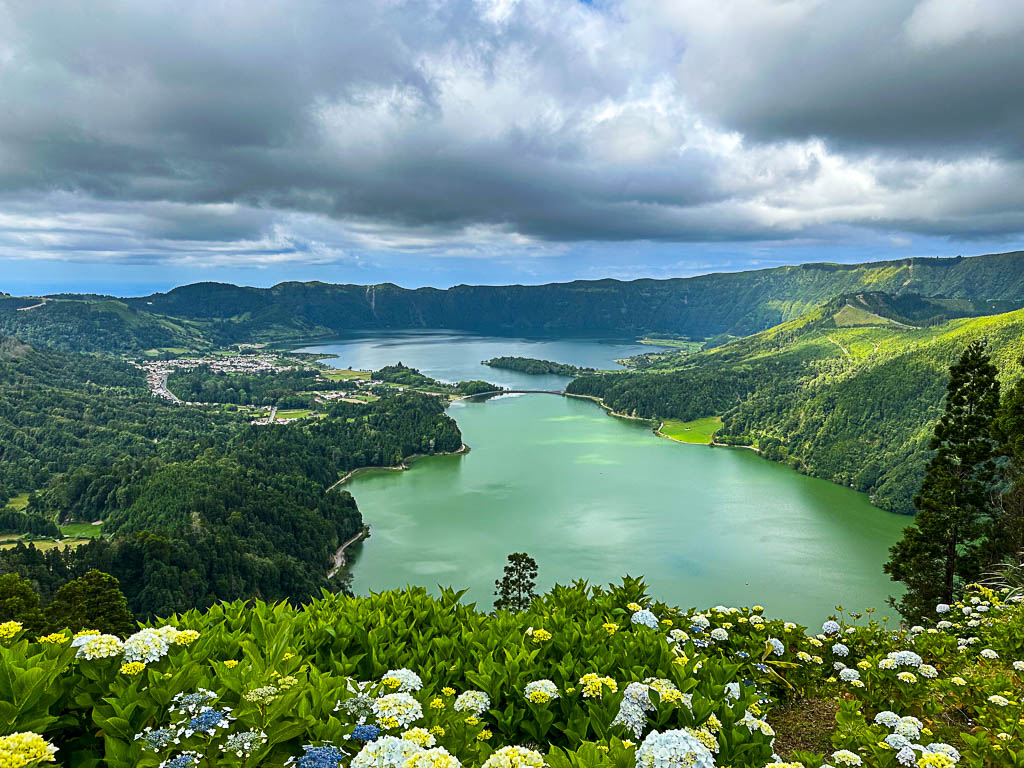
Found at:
<point>945,22</point>
<point>319,132</point>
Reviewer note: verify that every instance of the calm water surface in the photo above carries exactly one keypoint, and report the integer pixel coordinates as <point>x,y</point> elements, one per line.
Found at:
<point>595,497</point>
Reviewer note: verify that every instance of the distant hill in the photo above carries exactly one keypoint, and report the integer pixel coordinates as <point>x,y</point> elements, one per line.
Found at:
<point>699,307</point>
<point>715,307</point>
<point>849,391</point>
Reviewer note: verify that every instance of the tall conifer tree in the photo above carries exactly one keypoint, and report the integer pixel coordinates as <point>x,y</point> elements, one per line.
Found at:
<point>955,507</point>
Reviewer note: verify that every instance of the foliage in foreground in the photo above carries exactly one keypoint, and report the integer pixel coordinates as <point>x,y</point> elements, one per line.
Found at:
<point>585,677</point>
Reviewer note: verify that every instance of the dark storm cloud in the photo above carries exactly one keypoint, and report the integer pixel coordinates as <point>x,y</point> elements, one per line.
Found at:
<point>318,130</point>
<point>939,76</point>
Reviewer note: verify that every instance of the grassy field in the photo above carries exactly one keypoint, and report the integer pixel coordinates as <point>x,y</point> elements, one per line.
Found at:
<point>18,502</point>
<point>699,431</point>
<point>345,375</point>
<point>297,413</point>
<point>82,530</point>
<point>682,344</point>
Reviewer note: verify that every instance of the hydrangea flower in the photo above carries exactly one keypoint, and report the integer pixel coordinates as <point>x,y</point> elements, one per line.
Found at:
<point>157,739</point>
<point>324,756</point>
<point>939,748</point>
<point>185,759</point>
<point>97,646</point>
<point>404,680</point>
<point>593,685</point>
<point>245,743</point>
<point>365,733</point>
<point>147,646</point>
<point>476,702</point>
<point>830,627</point>
<point>207,721</point>
<point>386,752</point>
<point>541,691</point>
<point>906,659</point>
<point>191,703</point>
<point>438,757</point>
<point>719,634</point>
<point>672,749</point>
<point>645,617</point>
<point>928,671</point>
<point>632,714</point>
<point>778,648</point>
<point>840,650</point>
<point>887,718</point>
<point>397,710</point>
<point>9,629</point>
<point>699,622</point>
<point>897,741</point>
<point>942,608</point>
<point>514,757</point>
<point>420,736</point>
<point>846,757</point>
<point>988,653</point>
<point>25,748</point>
<point>849,674</point>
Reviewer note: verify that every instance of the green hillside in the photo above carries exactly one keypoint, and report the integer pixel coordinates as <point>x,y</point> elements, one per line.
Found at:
<point>853,403</point>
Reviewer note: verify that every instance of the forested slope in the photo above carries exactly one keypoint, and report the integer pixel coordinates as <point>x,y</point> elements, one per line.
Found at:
<point>201,504</point>
<point>851,403</point>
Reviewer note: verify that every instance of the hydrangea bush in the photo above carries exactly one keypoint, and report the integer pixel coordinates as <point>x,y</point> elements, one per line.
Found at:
<point>587,677</point>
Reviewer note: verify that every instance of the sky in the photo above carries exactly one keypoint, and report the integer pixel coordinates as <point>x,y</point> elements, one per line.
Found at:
<point>145,145</point>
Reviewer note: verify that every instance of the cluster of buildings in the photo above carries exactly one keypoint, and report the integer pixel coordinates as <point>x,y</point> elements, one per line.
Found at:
<point>157,371</point>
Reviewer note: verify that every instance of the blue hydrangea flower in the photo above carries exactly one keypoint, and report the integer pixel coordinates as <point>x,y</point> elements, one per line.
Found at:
<point>830,627</point>
<point>325,756</point>
<point>365,732</point>
<point>777,647</point>
<point>840,650</point>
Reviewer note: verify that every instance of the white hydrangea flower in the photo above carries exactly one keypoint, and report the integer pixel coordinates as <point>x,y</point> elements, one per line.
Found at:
<point>673,749</point>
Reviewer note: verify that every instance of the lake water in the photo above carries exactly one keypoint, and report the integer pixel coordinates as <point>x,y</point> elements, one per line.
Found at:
<point>592,496</point>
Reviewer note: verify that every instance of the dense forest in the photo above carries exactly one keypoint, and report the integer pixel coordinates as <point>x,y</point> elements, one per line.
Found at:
<point>201,505</point>
<point>848,402</point>
<point>534,366</point>
<point>712,307</point>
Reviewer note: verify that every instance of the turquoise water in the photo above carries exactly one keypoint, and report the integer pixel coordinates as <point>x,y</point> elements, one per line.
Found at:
<point>595,497</point>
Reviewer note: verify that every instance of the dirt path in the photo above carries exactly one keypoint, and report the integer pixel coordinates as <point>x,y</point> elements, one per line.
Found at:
<point>339,556</point>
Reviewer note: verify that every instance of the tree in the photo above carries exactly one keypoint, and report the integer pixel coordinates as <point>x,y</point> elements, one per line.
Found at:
<point>92,601</point>
<point>514,590</point>
<point>955,510</point>
<point>19,602</point>
<point>1009,431</point>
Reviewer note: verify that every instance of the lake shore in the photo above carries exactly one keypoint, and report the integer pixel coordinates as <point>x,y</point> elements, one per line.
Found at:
<point>398,467</point>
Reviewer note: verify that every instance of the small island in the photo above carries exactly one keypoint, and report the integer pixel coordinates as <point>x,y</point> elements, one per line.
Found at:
<point>534,366</point>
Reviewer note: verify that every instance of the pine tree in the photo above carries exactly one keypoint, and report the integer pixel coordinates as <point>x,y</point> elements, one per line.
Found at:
<point>955,509</point>
<point>515,589</point>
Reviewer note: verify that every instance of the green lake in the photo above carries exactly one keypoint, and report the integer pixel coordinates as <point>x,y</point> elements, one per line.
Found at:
<point>595,497</point>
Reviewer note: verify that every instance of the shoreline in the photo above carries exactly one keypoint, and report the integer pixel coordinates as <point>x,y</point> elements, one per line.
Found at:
<point>398,467</point>
<point>339,555</point>
<point>712,443</point>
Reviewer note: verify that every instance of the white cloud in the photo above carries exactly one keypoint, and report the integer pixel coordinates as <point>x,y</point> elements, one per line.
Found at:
<point>946,22</point>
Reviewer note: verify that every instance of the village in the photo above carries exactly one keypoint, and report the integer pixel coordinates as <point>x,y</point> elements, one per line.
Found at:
<point>158,371</point>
